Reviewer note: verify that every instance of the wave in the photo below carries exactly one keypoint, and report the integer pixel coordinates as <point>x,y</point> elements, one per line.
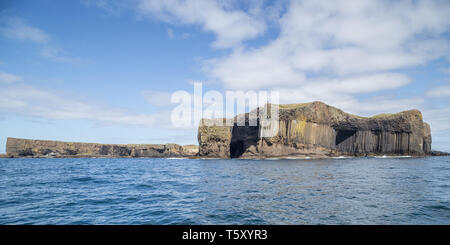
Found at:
<point>386,156</point>
<point>287,158</point>
<point>341,157</point>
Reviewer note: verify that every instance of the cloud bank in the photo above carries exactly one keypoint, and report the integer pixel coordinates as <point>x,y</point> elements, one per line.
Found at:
<point>231,26</point>
<point>22,99</point>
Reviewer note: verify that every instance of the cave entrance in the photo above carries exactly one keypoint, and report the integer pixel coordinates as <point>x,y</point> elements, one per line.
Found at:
<point>236,148</point>
<point>343,135</point>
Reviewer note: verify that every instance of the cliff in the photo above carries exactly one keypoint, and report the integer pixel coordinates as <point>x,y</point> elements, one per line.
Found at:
<point>304,130</point>
<point>318,130</point>
<point>46,148</point>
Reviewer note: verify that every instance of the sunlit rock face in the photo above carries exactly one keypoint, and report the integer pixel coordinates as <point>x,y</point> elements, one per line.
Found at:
<point>46,148</point>
<point>318,130</point>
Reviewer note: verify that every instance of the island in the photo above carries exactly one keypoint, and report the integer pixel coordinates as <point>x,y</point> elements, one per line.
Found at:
<point>307,130</point>
<point>317,130</point>
<point>48,148</point>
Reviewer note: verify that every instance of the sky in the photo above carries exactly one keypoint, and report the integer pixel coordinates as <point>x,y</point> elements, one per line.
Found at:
<point>103,71</point>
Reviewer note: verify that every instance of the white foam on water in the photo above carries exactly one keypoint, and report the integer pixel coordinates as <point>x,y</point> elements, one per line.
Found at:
<point>341,157</point>
<point>288,158</point>
<point>385,156</point>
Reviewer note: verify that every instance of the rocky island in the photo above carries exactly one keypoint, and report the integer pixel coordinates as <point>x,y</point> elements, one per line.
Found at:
<point>309,130</point>
<point>318,130</point>
<point>47,148</point>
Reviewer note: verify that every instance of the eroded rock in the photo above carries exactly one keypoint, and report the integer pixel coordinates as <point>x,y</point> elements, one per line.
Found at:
<point>318,130</point>
<point>46,148</point>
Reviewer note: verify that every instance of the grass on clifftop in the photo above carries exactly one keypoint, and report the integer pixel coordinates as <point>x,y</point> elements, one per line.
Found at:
<point>383,115</point>
<point>292,106</point>
<point>378,116</point>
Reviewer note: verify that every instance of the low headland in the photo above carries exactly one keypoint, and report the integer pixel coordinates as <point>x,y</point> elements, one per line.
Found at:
<point>308,130</point>
<point>47,148</point>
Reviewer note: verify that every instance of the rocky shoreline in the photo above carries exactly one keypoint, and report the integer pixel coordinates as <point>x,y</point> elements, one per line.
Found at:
<point>305,131</point>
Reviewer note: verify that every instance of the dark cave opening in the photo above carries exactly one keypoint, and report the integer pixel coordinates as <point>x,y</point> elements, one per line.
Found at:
<point>242,139</point>
<point>236,148</point>
<point>342,135</point>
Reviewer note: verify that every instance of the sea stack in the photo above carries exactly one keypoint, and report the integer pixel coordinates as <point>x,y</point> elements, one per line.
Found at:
<point>318,130</point>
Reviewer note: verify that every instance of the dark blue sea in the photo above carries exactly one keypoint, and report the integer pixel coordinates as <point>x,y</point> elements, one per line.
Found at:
<point>182,191</point>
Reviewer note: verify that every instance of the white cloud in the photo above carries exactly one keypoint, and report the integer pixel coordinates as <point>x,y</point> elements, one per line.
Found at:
<point>157,98</point>
<point>255,69</point>
<point>363,84</point>
<point>379,105</point>
<point>340,92</point>
<point>111,7</point>
<point>231,26</point>
<point>181,36</point>
<point>339,38</point>
<point>27,100</point>
<point>439,119</point>
<point>8,78</point>
<point>443,91</point>
<point>18,29</point>
<point>170,33</point>
<point>57,55</point>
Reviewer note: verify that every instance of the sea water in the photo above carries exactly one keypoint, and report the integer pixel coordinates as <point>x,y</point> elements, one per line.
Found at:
<point>189,191</point>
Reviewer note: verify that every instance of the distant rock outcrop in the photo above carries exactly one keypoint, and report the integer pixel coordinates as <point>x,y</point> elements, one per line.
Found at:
<point>439,153</point>
<point>46,148</point>
<point>319,130</point>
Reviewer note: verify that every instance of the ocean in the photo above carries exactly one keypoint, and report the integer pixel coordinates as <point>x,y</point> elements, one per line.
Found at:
<point>194,191</point>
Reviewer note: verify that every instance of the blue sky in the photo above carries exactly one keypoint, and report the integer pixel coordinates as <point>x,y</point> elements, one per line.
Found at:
<point>103,71</point>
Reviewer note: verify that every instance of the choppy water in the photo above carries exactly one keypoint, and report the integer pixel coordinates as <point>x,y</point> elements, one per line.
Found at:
<point>181,191</point>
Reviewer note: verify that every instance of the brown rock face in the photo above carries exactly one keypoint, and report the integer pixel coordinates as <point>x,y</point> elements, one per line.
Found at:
<point>214,141</point>
<point>46,148</point>
<point>319,130</point>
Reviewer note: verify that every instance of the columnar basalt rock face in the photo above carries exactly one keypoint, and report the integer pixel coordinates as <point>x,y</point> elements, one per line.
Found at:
<point>46,148</point>
<point>319,130</point>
